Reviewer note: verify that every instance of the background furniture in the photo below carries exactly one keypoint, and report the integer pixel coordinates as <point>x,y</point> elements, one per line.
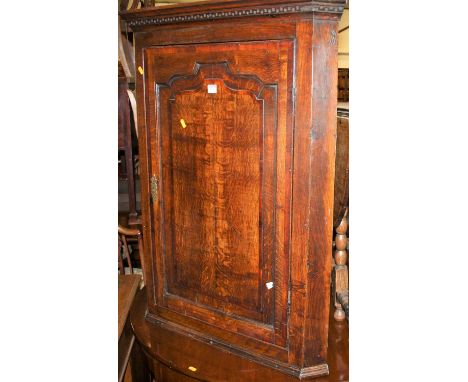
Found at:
<point>340,272</point>
<point>340,214</point>
<point>128,287</point>
<point>343,85</point>
<point>237,122</point>
<point>130,251</point>
<point>126,142</point>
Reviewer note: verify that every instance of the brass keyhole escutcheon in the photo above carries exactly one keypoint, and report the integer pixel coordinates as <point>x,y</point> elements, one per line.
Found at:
<point>183,123</point>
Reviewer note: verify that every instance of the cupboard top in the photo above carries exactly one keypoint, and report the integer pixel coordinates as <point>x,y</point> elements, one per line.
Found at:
<point>216,9</point>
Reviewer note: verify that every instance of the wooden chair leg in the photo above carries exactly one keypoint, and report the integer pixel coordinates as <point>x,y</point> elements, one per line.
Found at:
<point>341,270</point>
<point>127,254</point>
<point>120,260</point>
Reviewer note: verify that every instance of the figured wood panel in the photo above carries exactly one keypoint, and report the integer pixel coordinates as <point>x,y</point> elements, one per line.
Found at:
<point>215,172</point>
<point>223,163</point>
<point>213,160</point>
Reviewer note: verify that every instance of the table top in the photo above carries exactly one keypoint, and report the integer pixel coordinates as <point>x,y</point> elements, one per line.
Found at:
<point>128,287</point>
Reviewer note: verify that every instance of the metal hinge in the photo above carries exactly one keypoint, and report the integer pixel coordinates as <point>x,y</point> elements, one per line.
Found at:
<point>154,188</point>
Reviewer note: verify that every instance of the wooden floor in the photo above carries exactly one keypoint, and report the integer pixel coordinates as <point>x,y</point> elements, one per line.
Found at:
<point>338,351</point>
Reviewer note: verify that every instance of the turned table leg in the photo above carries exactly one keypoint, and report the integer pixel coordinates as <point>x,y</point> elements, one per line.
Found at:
<point>341,270</point>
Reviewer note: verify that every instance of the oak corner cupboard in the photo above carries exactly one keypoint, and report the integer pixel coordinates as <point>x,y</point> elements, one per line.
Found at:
<point>237,133</point>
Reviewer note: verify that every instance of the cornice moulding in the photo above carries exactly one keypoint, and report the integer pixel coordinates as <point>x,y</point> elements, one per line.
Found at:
<point>215,10</point>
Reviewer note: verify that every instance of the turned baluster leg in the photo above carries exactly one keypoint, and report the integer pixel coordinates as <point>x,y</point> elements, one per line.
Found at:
<point>341,270</point>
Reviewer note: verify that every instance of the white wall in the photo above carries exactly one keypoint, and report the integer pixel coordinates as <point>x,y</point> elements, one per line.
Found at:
<point>343,41</point>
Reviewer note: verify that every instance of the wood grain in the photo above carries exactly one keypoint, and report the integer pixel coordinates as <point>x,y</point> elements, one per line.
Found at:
<point>321,182</point>
<point>214,167</point>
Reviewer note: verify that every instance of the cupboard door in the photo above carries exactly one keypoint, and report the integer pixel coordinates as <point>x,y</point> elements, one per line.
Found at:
<point>219,121</point>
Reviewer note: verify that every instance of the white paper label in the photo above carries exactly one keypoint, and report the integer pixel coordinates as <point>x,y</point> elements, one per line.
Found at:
<point>212,89</point>
<point>269,285</point>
